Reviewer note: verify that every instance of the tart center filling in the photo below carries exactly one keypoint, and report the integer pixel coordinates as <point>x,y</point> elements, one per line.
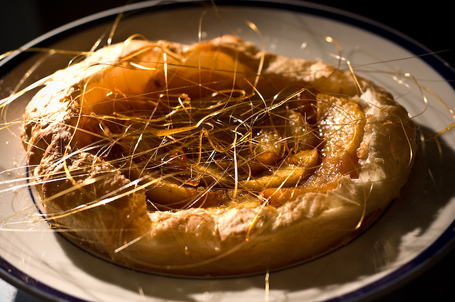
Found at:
<point>203,129</point>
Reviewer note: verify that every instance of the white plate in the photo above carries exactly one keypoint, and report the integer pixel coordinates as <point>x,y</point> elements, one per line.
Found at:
<point>412,231</point>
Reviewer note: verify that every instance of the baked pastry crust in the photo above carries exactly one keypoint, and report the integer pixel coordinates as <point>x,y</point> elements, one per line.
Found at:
<point>93,201</point>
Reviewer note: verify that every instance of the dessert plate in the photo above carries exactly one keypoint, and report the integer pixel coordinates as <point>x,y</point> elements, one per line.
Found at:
<point>414,229</point>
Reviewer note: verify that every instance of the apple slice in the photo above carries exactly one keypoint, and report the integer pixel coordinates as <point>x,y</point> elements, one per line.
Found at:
<point>341,122</point>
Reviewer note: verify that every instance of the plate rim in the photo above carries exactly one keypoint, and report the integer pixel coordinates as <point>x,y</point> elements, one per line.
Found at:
<point>442,245</point>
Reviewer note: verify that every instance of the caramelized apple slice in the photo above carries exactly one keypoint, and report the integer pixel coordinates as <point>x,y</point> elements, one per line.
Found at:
<point>287,176</point>
<point>268,147</point>
<point>341,122</point>
<point>169,193</point>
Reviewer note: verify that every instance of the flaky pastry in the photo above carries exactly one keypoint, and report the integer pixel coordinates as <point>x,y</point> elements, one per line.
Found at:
<point>213,159</point>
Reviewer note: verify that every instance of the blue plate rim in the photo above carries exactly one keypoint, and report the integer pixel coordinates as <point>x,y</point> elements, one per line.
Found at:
<point>442,245</point>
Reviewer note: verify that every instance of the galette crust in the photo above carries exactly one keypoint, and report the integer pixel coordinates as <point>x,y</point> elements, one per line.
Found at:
<point>208,241</point>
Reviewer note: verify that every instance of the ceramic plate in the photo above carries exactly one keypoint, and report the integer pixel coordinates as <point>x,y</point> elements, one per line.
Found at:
<point>413,230</point>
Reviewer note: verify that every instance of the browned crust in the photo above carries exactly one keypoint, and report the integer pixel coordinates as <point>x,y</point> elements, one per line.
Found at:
<point>200,242</point>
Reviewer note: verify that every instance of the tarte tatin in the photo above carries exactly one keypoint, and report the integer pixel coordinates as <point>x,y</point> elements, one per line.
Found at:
<point>213,159</point>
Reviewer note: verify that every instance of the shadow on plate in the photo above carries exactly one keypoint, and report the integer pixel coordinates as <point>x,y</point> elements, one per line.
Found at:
<point>391,241</point>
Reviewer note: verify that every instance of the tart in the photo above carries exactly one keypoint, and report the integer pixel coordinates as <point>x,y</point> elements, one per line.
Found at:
<point>213,159</point>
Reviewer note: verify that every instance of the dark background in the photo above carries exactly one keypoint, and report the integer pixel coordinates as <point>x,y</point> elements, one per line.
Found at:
<point>428,22</point>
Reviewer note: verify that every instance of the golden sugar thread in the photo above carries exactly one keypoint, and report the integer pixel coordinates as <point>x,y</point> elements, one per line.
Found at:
<point>202,134</point>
